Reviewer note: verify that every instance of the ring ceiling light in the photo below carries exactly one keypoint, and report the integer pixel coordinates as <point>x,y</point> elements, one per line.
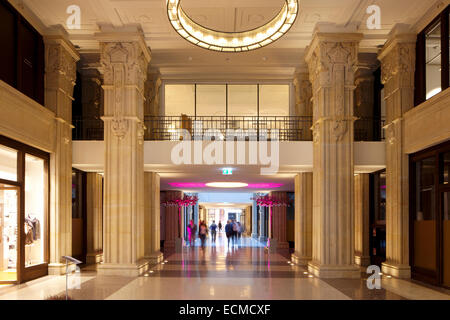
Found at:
<point>232,41</point>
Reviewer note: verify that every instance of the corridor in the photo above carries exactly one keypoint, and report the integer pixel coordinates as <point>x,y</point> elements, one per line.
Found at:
<point>241,272</point>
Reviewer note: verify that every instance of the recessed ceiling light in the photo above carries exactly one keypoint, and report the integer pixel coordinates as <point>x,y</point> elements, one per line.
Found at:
<point>227,185</point>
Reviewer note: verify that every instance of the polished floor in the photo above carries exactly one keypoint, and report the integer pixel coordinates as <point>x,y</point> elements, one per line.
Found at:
<point>242,271</point>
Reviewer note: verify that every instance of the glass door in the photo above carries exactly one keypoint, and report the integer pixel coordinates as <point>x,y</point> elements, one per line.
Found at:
<point>9,241</point>
<point>446,239</point>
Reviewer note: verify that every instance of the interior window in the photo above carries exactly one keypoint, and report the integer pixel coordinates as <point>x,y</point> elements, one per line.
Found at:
<point>433,60</point>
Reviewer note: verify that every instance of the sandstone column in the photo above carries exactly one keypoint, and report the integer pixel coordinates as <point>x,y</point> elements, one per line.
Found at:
<point>262,224</point>
<point>60,77</point>
<point>94,207</point>
<point>255,226</point>
<point>124,57</point>
<point>279,221</point>
<point>152,218</point>
<point>303,218</point>
<point>362,227</point>
<point>397,73</point>
<point>172,219</point>
<point>331,58</point>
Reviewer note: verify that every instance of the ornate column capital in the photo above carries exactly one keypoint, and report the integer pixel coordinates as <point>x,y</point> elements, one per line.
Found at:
<point>328,50</point>
<point>398,56</point>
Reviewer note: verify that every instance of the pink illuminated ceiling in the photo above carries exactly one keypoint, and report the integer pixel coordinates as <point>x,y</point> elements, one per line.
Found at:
<point>196,185</point>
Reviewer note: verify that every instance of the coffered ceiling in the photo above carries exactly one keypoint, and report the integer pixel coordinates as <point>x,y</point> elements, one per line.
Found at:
<point>176,58</point>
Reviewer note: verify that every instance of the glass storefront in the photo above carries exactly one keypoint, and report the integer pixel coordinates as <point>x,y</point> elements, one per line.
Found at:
<point>23,212</point>
<point>430,215</point>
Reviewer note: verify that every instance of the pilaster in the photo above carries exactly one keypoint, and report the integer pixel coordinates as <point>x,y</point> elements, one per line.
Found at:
<point>279,221</point>
<point>303,218</point>
<point>331,59</point>
<point>397,73</point>
<point>152,202</point>
<point>94,208</point>
<point>60,76</point>
<point>362,228</point>
<point>171,214</point>
<point>255,227</point>
<point>124,58</point>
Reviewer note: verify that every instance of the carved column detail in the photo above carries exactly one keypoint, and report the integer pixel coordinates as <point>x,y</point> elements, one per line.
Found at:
<point>60,76</point>
<point>331,58</point>
<point>397,72</point>
<point>124,58</point>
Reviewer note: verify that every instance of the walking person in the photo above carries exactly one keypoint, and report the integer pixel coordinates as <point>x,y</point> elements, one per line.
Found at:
<point>213,229</point>
<point>192,230</point>
<point>235,232</point>
<point>220,226</point>
<point>229,231</point>
<point>239,232</point>
<point>202,231</point>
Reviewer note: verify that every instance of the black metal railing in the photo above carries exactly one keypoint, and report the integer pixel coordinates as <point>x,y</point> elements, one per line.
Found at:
<point>290,128</point>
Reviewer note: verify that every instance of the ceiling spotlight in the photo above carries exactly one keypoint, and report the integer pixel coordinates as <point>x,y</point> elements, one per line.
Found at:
<point>151,271</point>
<point>305,272</point>
<point>310,276</point>
<point>232,41</point>
<point>227,185</point>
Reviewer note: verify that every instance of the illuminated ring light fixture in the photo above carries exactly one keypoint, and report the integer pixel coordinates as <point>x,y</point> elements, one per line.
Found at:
<point>232,41</point>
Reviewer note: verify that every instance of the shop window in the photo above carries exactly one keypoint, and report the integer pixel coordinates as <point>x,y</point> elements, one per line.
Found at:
<point>179,99</point>
<point>445,168</point>
<point>432,59</point>
<point>211,100</point>
<point>425,217</point>
<point>23,212</point>
<point>221,100</point>
<point>243,100</point>
<point>9,197</point>
<point>8,163</point>
<point>34,210</point>
<point>274,100</point>
<point>22,54</point>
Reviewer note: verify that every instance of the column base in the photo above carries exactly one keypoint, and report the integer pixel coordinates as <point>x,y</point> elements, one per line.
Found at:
<point>254,235</point>
<point>332,271</point>
<point>178,245</point>
<point>396,270</point>
<point>57,269</point>
<point>299,259</point>
<point>127,270</point>
<point>362,261</point>
<point>154,258</point>
<point>262,239</point>
<point>94,258</point>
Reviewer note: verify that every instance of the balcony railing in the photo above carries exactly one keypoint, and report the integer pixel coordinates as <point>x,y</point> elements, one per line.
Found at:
<point>170,128</point>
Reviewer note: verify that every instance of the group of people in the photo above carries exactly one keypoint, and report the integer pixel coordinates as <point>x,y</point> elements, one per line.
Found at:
<point>233,231</point>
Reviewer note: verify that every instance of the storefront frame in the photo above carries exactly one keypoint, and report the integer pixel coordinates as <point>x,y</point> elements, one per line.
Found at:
<point>418,273</point>
<point>32,272</point>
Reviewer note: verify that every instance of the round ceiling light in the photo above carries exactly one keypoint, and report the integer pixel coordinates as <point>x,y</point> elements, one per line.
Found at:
<point>226,185</point>
<point>232,41</point>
